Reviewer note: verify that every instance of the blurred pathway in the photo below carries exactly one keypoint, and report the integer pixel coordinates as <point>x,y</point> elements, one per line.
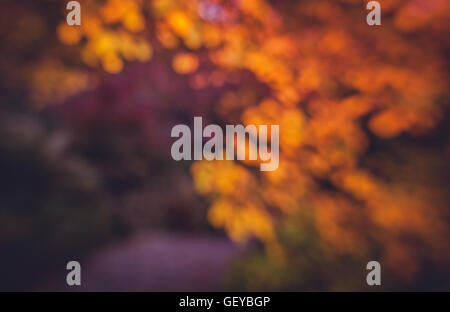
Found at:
<point>156,262</point>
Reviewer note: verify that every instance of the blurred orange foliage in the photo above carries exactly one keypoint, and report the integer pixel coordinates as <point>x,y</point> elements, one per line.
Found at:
<point>327,72</point>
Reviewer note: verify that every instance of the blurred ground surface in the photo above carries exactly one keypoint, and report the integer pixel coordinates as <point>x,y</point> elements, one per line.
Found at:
<point>154,262</point>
